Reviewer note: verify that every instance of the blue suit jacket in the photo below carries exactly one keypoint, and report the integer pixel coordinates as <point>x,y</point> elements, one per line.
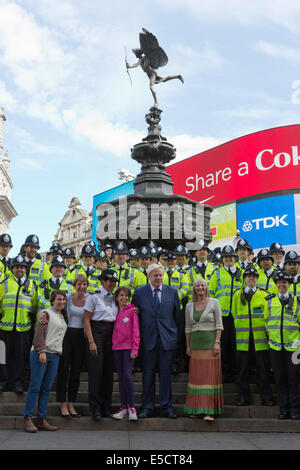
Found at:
<point>160,322</point>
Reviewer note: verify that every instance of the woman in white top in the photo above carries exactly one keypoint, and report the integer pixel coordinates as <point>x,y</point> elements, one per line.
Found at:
<point>203,328</point>
<point>73,356</point>
<point>44,360</point>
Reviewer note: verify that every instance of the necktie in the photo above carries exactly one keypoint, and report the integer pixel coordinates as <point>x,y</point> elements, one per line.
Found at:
<point>156,298</point>
<point>242,265</point>
<point>20,282</point>
<point>57,283</point>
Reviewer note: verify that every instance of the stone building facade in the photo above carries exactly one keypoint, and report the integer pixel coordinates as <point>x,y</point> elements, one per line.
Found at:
<point>75,228</point>
<point>7,210</point>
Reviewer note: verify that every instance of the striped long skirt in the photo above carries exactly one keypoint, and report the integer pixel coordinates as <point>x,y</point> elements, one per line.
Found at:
<point>205,389</point>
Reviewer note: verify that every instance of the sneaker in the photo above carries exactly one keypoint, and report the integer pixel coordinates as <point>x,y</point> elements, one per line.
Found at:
<point>120,414</point>
<point>132,414</point>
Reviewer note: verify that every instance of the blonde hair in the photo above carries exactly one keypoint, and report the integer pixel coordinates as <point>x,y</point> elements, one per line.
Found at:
<point>80,278</point>
<point>194,295</point>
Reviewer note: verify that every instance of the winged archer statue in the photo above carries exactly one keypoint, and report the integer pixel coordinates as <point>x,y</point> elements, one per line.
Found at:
<point>150,57</point>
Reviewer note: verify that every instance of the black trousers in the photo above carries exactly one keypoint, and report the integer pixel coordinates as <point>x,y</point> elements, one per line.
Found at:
<point>17,348</point>
<point>179,361</point>
<point>70,365</point>
<point>286,379</point>
<point>228,349</point>
<point>100,368</point>
<point>261,361</point>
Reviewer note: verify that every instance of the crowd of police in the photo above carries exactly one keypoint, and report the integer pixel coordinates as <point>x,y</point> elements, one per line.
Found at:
<point>259,298</point>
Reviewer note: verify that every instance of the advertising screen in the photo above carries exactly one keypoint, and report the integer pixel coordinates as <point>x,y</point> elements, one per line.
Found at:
<point>107,196</point>
<point>223,222</point>
<point>258,163</point>
<point>266,221</point>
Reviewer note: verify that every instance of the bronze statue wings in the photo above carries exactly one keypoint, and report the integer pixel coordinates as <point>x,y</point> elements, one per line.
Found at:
<point>152,50</point>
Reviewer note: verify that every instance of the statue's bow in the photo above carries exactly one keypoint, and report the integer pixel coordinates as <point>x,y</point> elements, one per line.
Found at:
<point>127,67</point>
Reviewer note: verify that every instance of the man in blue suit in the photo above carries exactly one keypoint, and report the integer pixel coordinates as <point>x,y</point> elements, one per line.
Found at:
<point>158,307</point>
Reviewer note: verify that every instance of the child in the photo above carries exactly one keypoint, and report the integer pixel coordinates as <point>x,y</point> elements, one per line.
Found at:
<point>125,343</point>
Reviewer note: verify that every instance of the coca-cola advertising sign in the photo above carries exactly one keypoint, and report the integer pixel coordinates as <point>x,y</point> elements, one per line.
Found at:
<point>262,162</point>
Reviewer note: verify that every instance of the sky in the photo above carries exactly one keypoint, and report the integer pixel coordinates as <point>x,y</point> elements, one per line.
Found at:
<point>72,114</point>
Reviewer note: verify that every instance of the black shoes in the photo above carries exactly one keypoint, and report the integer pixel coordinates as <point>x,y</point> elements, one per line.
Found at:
<point>18,388</point>
<point>145,414</point>
<point>242,401</point>
<point>97,417</point>
<point>170,415</point>
<point>268,402</point>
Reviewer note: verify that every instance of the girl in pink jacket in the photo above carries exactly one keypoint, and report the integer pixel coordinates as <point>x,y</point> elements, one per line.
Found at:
<point>125,343</point>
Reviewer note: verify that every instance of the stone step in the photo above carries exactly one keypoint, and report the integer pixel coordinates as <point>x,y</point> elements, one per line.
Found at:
<point>230,398</point>
<point>221,424</point>
<point>230,411</point>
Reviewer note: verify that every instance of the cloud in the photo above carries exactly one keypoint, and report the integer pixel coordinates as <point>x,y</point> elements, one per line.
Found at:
<point>187,146</point>
<point>278,51</point>
<point>247,12</point>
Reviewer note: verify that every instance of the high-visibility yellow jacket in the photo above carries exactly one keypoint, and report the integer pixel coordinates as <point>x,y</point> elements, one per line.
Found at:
<point>283,323</point>
<point>38,271</point>
<point>45,289</point>
<point>222,285</point>
<point>93,277</point>
<point>18,305</point>
<point>249,318</point>
<point>178,280</point>
<point>266,282</point>
<point>127,276</point>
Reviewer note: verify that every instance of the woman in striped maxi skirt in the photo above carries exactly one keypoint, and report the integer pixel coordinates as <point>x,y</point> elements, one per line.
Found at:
<point>203,328</point>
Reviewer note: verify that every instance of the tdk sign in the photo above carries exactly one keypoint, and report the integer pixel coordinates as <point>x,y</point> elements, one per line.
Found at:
<point>264,221</point>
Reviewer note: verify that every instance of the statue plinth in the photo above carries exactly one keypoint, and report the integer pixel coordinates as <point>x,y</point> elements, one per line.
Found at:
<point>153,212</point>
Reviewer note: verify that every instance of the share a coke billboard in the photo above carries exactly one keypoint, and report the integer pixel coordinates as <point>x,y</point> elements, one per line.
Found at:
<point>258,163</point>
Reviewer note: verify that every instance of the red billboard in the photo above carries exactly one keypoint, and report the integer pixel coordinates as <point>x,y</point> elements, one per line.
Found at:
<point>257,163</point>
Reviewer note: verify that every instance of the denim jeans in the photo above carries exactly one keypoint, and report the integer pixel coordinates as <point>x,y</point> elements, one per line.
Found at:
<point>42,377</point>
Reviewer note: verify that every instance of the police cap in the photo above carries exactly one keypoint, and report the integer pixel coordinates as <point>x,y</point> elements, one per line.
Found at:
<point>5,240</point>
<point>18,261</point>
<point>32,240</point>
<point>109,274</point>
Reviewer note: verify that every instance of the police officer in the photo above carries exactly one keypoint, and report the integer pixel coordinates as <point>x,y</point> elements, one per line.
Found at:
<point>108,249</point>
<point>217,257</point>
<point>18,309</point>
<point>99,316</point>
<point>70,261</point>
<point>223,282</point>
<point>243,250</point>
<point>202,265</point>
<point>144,262</point>
<point>153,248</point>
<point>248,306</point>
<point>277,252</point>
<point>101,261</point>
<point>5,247</point>
<point>36,268</point>
<point>134,258</point>
<point>56,282</point>
<point>283,328</point>
<point>291,266</point>
<point>182,257</point>
<point>266,271</point>
<point>127,275</point>
<point>88,254</point>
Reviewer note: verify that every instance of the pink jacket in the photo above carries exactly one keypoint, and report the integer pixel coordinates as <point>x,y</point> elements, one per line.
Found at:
<point>126,334</point>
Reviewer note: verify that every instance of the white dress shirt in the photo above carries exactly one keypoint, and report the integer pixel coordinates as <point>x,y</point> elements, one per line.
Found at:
<point>102,305</point>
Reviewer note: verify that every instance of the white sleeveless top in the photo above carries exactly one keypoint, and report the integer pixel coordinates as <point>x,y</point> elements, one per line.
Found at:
<point>56,330</point>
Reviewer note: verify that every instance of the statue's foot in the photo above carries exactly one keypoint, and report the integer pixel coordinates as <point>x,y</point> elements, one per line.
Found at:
<point>181,78</point>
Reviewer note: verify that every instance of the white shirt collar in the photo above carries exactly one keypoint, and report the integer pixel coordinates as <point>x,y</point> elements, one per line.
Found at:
<point>23,279</point>
<point>54,279</point>
<point>246,290</point>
